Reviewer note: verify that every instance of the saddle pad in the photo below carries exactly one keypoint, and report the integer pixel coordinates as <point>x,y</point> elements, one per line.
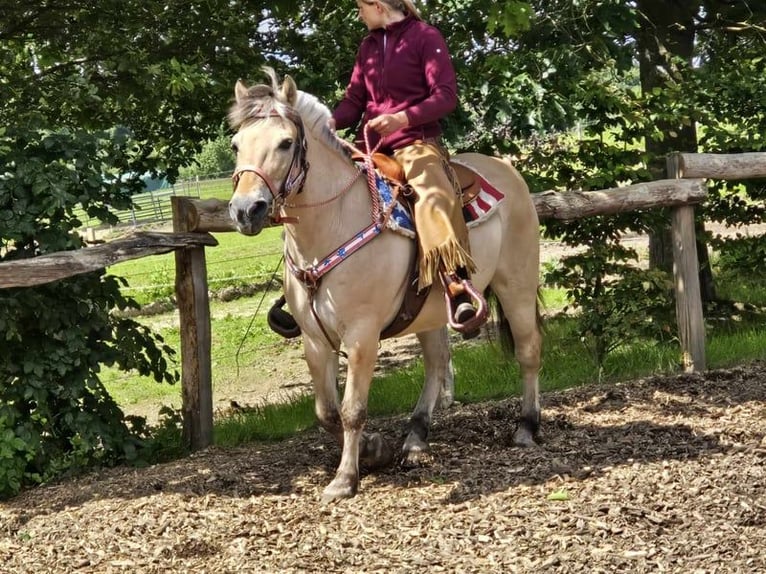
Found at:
<point>480,198</point>
<point>480,203</point>
<point>400,220</point>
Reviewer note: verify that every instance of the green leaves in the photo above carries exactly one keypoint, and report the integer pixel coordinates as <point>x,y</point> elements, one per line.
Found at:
<point>509,17</point>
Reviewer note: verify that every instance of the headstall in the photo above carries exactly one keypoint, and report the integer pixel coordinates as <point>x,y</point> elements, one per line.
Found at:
<point>296,175</point>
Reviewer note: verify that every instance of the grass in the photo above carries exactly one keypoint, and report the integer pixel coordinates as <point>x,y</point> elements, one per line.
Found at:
<point>742,288</point>
<point>267,422</point>
<point>482,374</point>
<point>153,278</point>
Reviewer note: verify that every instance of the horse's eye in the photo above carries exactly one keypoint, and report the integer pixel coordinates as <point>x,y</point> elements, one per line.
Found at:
<point>286,144</point>
<point>234,148</point>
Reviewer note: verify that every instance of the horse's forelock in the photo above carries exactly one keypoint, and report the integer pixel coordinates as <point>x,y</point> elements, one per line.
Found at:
<point>260,100</point>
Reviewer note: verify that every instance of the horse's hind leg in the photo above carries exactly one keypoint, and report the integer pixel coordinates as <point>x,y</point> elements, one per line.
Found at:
<point>438,379</point>
<point>519,303</point>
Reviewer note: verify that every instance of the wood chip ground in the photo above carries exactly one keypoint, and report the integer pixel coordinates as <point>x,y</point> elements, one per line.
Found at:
<point>664,474</point>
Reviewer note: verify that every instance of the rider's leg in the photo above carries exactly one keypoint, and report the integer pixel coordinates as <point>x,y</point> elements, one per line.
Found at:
<point>442,233</point>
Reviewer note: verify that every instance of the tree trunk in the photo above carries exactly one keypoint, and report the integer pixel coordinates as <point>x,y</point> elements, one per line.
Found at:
<point>667,33</point>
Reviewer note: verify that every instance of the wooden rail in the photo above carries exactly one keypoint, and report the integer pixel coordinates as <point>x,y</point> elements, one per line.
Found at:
<point>55,266</point>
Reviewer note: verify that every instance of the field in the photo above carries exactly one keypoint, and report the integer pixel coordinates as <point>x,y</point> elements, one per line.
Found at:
<point>253,366</point>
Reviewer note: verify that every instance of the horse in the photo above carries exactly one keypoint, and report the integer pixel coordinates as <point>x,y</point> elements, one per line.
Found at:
<point>291,167</point>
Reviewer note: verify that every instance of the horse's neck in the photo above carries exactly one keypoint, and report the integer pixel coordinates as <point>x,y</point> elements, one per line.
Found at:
<point>327,215</point>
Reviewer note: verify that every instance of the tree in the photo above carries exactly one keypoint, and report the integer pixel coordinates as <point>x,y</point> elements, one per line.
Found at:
<point>90,95</point>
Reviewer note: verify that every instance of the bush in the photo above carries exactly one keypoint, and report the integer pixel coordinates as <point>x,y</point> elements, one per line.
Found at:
<point>55,415</point>
<point>617,302</point>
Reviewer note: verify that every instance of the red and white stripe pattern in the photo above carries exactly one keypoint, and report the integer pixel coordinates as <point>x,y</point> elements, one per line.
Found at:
<point>483,204</point>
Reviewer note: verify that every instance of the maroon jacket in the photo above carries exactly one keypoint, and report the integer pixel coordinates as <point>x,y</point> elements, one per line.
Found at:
<point>415,74</point>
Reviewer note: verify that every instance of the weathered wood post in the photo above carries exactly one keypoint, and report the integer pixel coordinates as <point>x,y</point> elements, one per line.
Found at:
<point>194,319</point>
<point>691,323</point>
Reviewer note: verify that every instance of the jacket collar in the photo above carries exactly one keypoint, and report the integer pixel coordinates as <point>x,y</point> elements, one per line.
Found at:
<point>394,28</point>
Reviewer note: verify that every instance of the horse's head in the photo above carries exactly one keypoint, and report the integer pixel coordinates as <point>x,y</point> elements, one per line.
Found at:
<point>270,145</point>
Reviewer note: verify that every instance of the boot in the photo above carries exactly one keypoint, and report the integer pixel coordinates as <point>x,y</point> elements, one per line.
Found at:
<point>463,312</point>
<point>281,322</point>
<point>461,296</point>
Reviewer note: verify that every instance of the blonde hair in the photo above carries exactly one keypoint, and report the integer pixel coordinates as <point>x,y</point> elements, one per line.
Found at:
<point>404,6</point>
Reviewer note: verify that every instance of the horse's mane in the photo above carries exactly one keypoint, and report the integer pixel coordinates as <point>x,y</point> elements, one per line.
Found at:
<point>263,100</point>
<point>315,116</point>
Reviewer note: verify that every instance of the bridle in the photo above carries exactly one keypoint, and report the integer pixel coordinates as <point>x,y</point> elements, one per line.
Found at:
<point>296,174</point>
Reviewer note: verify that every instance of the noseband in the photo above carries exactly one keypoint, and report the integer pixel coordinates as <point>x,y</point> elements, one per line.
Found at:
<point>296,175</point>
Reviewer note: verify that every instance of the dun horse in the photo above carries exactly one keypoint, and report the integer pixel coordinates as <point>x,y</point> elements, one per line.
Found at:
<point>292,168</point>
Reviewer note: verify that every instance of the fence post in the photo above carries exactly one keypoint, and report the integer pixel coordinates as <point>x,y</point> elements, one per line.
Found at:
<point>691,325</point>
<point>194,318</point>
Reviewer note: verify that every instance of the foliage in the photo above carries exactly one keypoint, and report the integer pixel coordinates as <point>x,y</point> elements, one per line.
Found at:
<point>214,158</point>
<point>742,252</point>
<point>617,302</point>
<point>54,411</point>
<point>90,99</point>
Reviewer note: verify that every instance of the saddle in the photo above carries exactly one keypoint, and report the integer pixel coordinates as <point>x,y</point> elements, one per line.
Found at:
<point>470,186</point>
<point>388,167</point>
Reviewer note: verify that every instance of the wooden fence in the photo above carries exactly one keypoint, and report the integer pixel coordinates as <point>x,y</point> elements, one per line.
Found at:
<point>193,219</point>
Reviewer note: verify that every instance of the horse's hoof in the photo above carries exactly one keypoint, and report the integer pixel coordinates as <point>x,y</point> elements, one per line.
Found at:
<point>339,489</point>
<point>524,438</point>
<point>376,452</point>
<point>415,457</point>
<point>414,451</point>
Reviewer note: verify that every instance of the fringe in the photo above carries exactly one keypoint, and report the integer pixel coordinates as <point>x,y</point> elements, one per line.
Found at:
<point>448,257</point>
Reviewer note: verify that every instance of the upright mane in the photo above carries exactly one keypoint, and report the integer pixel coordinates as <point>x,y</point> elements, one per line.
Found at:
<point>315,117</point>
<point>263,100</point>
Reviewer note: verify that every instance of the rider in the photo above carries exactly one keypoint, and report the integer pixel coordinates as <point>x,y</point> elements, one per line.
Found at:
<point>402,84</point>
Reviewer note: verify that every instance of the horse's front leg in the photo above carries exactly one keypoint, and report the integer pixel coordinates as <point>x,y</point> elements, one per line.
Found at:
<point>438,379</point>
<point>361,363</point>
<point>323,367</point>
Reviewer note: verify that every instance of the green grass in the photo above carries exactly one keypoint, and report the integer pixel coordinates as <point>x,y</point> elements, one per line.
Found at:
<point>743,288</point>
<point>235,339</point>
<point>483,374</point>
<point>266,422</point>
<point>237,261</point>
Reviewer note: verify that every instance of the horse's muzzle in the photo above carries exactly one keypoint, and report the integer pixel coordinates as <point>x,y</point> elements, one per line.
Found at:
<point>248,215</point>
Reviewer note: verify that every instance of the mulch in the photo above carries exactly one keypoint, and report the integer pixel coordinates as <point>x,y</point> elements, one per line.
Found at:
<point>663,474</point>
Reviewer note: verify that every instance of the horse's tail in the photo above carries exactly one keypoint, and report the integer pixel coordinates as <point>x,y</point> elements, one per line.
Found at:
<point>505,335</point>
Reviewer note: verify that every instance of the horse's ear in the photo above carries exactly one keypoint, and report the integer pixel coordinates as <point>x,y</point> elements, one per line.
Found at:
<point>289,91</point>
<point>240,91</point>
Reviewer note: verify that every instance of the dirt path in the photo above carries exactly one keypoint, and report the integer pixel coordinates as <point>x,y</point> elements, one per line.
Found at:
<point>666,474</point>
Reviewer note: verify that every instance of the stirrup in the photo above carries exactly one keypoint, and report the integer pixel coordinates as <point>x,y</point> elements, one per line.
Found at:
<point>281,322</point>
<point>462,320</point>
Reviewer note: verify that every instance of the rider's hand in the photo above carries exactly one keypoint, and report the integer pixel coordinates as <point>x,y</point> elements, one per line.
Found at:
<point>331,124</point>
<point>387,124</point>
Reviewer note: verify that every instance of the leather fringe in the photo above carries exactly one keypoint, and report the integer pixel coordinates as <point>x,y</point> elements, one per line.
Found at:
<point>448,257</point>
